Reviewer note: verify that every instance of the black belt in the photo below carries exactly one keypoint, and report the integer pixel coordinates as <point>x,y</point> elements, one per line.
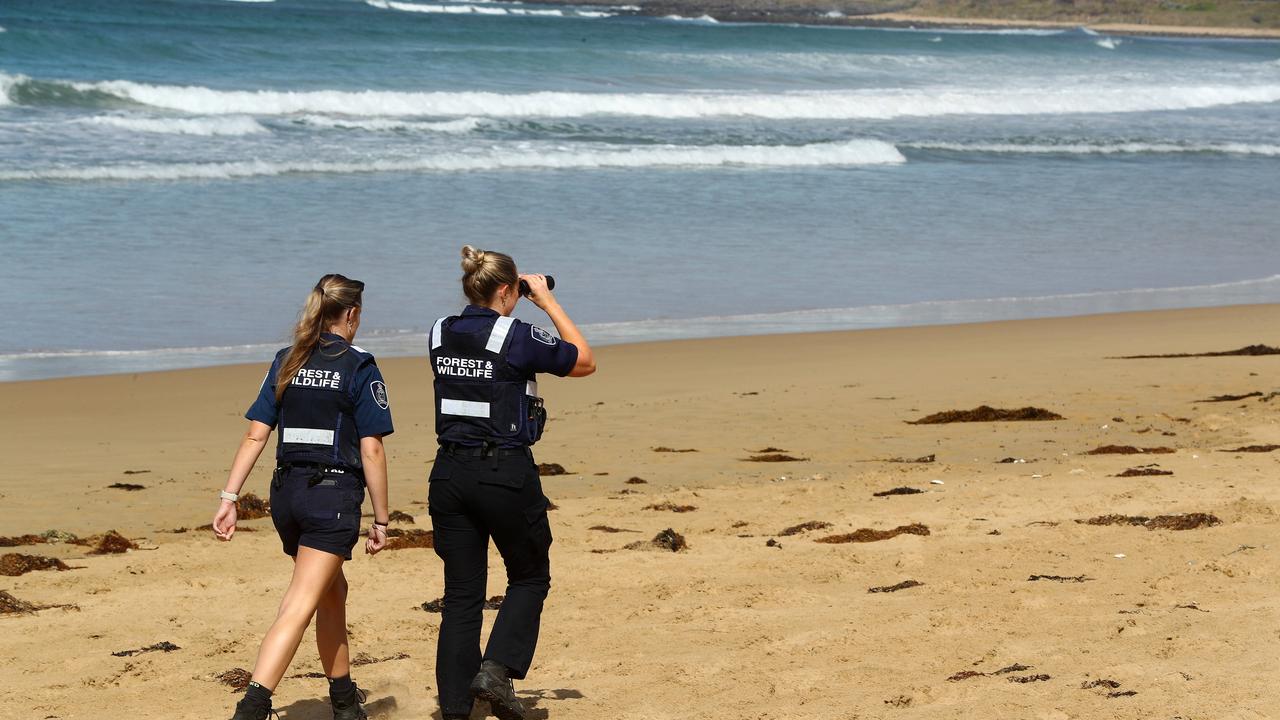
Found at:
<point>488,450</point>
<point>319,468</point>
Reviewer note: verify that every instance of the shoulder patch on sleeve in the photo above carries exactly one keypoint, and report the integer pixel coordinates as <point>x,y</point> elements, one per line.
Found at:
<point>378,389</point>
<point>359,349</point>
<point>541,335</point>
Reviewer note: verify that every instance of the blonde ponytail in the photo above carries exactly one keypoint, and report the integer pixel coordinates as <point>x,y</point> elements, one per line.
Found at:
<point>484,271</point>
<point>328,300</point>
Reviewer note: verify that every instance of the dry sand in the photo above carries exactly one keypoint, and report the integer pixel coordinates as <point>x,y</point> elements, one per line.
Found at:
<point>733,627</point>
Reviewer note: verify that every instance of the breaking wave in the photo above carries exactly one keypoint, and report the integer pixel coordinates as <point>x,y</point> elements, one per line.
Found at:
<point>449,127</point>
<point>465,9</point>
<point>818,105</point>
<point>851,153</point>
<point>1128,148</point>
<point>207,127</point>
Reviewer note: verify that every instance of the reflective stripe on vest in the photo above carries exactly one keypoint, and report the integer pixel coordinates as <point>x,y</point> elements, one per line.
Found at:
<point>498,336</point>
<point>436,342</point>
<point>307,436</point>
<point>464,408</point>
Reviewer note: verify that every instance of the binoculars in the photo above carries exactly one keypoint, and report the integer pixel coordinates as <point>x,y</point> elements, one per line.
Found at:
<point>524,286</point>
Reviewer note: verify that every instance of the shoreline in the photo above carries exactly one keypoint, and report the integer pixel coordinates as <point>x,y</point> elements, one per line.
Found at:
<point>407,344</point>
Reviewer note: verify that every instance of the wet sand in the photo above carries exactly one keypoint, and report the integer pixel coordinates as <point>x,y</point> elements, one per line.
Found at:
<point>747,621</point>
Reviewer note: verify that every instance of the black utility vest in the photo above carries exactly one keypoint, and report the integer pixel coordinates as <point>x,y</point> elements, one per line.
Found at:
<point>317,421</point>
<point>480,397</point>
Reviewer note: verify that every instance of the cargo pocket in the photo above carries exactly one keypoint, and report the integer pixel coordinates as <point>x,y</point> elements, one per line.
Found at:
<point>539,525</point>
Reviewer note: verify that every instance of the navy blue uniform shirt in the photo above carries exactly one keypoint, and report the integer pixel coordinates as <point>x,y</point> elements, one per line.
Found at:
<point>369,395</point>
<point>532,350</point>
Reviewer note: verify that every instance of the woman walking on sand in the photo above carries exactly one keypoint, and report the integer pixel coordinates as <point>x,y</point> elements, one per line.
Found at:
<point>484,482</point>
<point>330,403</point>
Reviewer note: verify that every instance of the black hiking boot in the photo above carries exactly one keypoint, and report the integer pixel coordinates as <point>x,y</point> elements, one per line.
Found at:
<point>350,705</point>
<point>248,709</point>
<point>493,685</point>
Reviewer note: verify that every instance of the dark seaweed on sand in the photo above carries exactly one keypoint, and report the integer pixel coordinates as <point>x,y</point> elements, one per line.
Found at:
<point>437,605</point>
<point>665,449</point>
<point>163,646</point>
<point>1144,471</point>
<point>986,413</point>
<point>126,486</point>
<point>14,564</point>
<point>1112,684</point>
<point>666,540</point>
<point>895,588</point>
<point>609,529</point>
<point>10,605</point>
<point>237,678</point>
<point>1184,521</point>
<point>252,507</point>
<point>18,540</point>
<point>400,516</point>
<point>921,459</point>
<point>1254,449</point>
<point>1129,450</point>
<point>774,457</point>
<point>1060,578</point>
<point>670,506</point>
<point>1028,678</point>
<point>108,543</point>
<point>637,481</point>
<point>869,535</point>
<point>966,674</point>
<point>403,539</point>
<point>1246,351</point>
<point>898,491</point>
<point>803,527</point>
<point>549,469</point>
<point>1230,398</point>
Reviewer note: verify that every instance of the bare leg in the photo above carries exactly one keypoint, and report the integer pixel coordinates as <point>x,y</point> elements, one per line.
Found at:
<point>331,629</point>
<point>313,574</point>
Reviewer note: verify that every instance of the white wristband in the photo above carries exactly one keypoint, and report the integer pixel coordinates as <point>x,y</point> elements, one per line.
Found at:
<point>228,496</point>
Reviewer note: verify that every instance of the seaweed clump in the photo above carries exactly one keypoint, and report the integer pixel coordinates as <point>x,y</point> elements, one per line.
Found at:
<point>236,678</point>
<point>1144,471</point>
<point>163,646</point>
<point>126,486</point>
<point>108,543</point>
<point>805,527</point>
<point>549,469</point>
<point>14,564</point>
<point>1230,398</point>
<point>400,516</point>
<point>898,491</point>
<point>665,449</point>
<point>774,457</point>
<point>1246,351</point>
<point>637,481</point>
<point>10,605</point>
<point>668,505</point>
<point>1183,521</point>
<point>986,413</point>
<point>1129,450</point>
<point>864,535</point>
<point>921,459</point>
<point>1254,449</point>
<point>410,538</point>
<point>252,507</point>
<point>895,588</point>
<point>666,540</point>
<point>17,540</point>
<point>610,529</point>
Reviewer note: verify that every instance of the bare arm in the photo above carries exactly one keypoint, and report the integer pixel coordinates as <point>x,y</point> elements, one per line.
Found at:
<point>255,439</point>
<point>541,296</point>
<point>373,457</point>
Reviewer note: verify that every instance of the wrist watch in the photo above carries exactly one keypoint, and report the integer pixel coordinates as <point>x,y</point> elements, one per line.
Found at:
<point>228,496</point>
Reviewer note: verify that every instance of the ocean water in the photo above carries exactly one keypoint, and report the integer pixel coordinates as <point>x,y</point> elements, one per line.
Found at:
<point>175,175</point>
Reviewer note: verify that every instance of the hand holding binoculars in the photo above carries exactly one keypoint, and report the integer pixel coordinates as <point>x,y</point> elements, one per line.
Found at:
<point>524,286</point>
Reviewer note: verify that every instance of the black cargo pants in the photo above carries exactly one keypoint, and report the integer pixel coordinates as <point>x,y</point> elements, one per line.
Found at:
<point>473,497</point>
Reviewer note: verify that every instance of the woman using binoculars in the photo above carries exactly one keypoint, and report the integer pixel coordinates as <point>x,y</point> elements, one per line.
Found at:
<point>484,482</point>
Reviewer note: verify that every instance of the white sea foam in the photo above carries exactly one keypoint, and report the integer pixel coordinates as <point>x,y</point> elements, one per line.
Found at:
<point>829,105</point>
<point>1108,43</point>
<point>700,20</point>
<point>851,153</point>
<point>1129,148</point>
<point>473,9</point>
<point>448,127</point>
<point>207,126</point>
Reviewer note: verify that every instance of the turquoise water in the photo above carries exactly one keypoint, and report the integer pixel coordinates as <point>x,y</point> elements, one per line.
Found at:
<point>175,175</point>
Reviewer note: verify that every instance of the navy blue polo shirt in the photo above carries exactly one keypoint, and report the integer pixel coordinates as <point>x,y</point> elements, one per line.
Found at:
<point>369,395</point>
<point>532,350</point>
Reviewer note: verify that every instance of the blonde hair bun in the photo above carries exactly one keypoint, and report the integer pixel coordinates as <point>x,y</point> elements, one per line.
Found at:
<point>472,259</point>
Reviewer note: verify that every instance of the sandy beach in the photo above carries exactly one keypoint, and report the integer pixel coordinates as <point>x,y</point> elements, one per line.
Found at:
<point>1014,609</point>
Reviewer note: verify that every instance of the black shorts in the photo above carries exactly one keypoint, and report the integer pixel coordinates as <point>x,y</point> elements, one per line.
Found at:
<point>319,509</point>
